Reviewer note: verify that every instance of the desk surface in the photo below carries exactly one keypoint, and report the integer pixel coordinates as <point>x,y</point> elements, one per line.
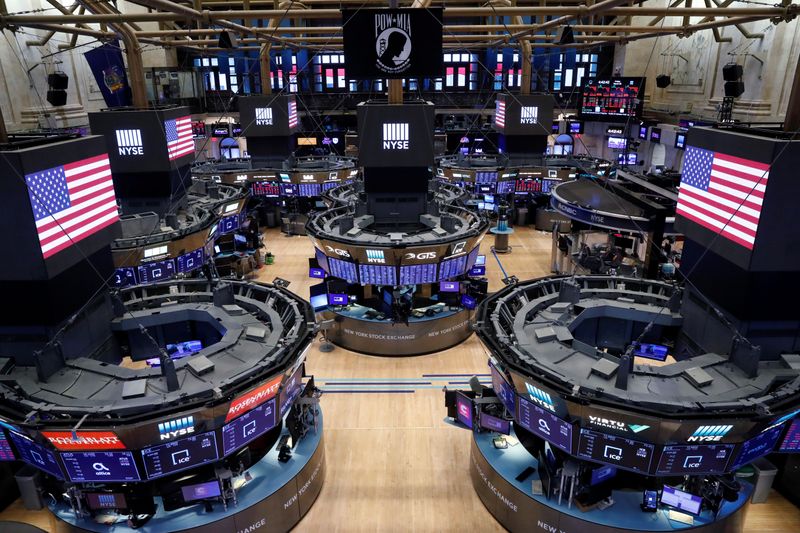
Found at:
<point>268,476</point>
<point>625,513</point>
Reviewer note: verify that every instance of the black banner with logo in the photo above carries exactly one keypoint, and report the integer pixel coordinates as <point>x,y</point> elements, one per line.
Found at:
<point>392,43</point>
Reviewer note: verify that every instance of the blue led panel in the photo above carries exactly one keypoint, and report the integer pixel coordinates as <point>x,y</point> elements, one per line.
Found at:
<point>414,274</point>
<point>342,270</point>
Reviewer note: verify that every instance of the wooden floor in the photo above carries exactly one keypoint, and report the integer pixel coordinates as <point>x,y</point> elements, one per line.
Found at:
<point>393,464</point>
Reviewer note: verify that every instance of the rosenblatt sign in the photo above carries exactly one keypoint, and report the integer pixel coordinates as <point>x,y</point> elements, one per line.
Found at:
<point>254,398</point>
<point>87,440</point>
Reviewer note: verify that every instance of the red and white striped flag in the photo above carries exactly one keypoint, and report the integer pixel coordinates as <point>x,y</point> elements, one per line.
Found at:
<point>179,137</point>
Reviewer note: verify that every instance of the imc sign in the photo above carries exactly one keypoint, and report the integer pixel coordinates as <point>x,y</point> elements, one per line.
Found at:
<point>392,43</point>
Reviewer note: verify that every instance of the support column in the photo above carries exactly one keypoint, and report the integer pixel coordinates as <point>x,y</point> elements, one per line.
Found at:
<point>263,64</point>
<point>792,120</point>
<point>395,91</point>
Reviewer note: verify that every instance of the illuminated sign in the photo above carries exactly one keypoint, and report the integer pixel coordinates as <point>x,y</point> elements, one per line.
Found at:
<point>375,256</point>
<point>337,251</point>
<point>86,440</point>
<point>529,115</point>
<point>129,142</point>
<point>177,427</point>
<point>610,423</point>
<point>308,177</point>
<point>421,255</point>
<point>263,116</point>
<point>254,398</point>
<point>458,248</point>
<point>541,397</point>
<point>395,136</point>
<point>709,433</point>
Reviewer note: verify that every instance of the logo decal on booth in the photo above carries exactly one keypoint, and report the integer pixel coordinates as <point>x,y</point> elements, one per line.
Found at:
<point>263,116</point>
<point>129,142</point>
<point>395,136</point>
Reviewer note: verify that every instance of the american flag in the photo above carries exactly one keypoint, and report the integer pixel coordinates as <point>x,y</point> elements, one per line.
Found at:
<point>723,193</point>
<point>500,114</point>
<point>292,113</point>
<point>71,202</point>
<point>179,137</point>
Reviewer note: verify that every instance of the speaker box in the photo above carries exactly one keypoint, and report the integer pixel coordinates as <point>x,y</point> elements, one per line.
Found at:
<point>732,72</point>
<point>663,81</point>
<point>58,81</point>
<point>57,97</point>
<point>734,88</point>
<point>228,40</point>
<point>565,35</point>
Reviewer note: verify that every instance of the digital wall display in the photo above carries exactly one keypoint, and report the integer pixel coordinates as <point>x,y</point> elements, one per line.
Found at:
<point>377,274</point>
<point>505,187</point>
<point>328,185</point>
<point>615,130</point>
<point>35,455</point>
<point>99,467</point>
<point>156,271</point>
<point>632,158</point>
<point>485,177</point>
<point>322,259</point>
<point>342,269</point>
<point>6,453</point>
<point>683,501</point>
<point>525,115</point>
<point>450,268</point>
<point>178,455</point>
<point>190,261</point>
<point>464,409</point>
<point>290,390</point>
<point>485,188</point>
<point>289,189</point>
<point>614,99</point>
<point>758,446</point>
<point>265,188</point>
<point>309,189</point>
<point>248,427</point>
<point>694,459</point>
<point>416,274</point>
<point>228,224</point>
<point>545,425</point>
<point>617,143</point>
<point>655,135</point>
<point>503,389</point>
<point>619,451</point>
<point>526,185</point>
<point>791,442</point>
<point>124,277</point>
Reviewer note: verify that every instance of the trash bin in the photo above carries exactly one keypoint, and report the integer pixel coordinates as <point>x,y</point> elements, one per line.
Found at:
<point>272,220</point>
<point>522,216</point>
<point>28,482</point>
<point>762,481</point>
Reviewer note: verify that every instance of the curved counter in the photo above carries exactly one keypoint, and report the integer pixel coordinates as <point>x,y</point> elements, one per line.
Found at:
<point>512,503</point>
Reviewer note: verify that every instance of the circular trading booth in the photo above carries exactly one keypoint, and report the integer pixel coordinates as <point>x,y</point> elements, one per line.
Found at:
<point>603,416</point>
<point>190,414</point>
<point>397,290</point>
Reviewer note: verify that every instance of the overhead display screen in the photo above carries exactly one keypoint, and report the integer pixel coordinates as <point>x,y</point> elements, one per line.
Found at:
<point>290,390</point>
<point>6,453</point>
<point>791,442</point>
<point>343,270</point>
<point>486,177</point>
<point>503,389</point>
<point>229,223</point>
<point>464,409</point>
<point>322,259</point>
<point>451,268</point>
<point>681,500</point>
<point>529,185</point>
<point>758,446</point>
<point>699,459</point>
<point>248,427</point>
<point>36,455</point>
<point>178,455</point>
<point>618,451</point>
<point>156,271</point>
<point>505,187</point>
<point>124,277</point>
<point>265,188</point>
<point>98,467</point>
<point>377,275</point>
<point>328,185</point>
<point>190,261</point>
<point>309,189</point>
<point>612,99</point>
<point>545,425</point>
<point>414,274</point>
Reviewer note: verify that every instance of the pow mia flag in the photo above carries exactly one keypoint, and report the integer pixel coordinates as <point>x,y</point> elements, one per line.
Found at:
<point>392,43</point>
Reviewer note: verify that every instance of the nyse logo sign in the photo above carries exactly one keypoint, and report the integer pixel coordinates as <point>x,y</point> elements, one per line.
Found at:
<point>129,142</point>
<point>541,397</point>
<point>176,428</point>
<point>395,136</point>
<point>263,116</point>
<point>375,256</point>
<point>709,433</point>
<point>529,115</point>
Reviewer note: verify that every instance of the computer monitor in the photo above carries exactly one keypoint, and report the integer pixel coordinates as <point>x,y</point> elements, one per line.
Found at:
<point>316,273</point>
<point>337,299</point>
<point>105,500</point>
<point>464,409</point>
<point>468,302</point>
<point>680,500</point>
<point>480,260</point>
<point>477,271</point>
<point>449,286</point>
<point>651,351</point>
<point>201,491</point>
<point>494,423</point>
<point>318,296</point>
<point>601,475</point>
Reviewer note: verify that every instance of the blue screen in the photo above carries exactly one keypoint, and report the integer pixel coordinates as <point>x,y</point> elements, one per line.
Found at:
<point>288,189</point>
<point>248,427</point>
<point>651,351</point>
<point>309,189</point>
<point>322,259</point>
<point>201,491</point>
<point>413,274</point>
<point>123,277</point>
<point>178,455</point>
<point>486,177</point>
<point>602,474</point>
<point>191,261</point>
<point>319,302</point>
<point>316,273</point>
<point>451,268</point>
<point>505,187</point>
<point>36,455</point>
<point>503,389</point>
<point>468,301</point>
<point>290,389</point>
<point>6,453</point>
<point>477,271</point>
<point>343,270</point>
<point>98,467</point>
<point>337,299</point>
<point>791,442</point>
<point>229,224</point>
<point>494,423</point>
<point>619,451</point>
<point>377,275</point>
<point>758,446</point>
<point>480,260</point>
<point>328,185</point>
<point>545,425</point>
<point>472,257</point>
<point>156,271</point>
<point>699,459</point>
<point>680,500</point>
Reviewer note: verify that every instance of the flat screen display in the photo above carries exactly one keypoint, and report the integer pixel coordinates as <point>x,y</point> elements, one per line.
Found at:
<point>632,159</point>
<point>377,274</point>
<point>265,188</point>
<point>124,277</point>
<point>651,351</point>
<point>328,185</point>
<point>615,99</point>
<point>248,427</point>
<point>201,491</point>
<point>758,446</point>
<point>479,259</point>
<point>105,500</point>
<point>503,389</point>
<point>316,273</point>
<point>468,302</point>
<point>477,271</point>
<point>680,141</point>
<point>100,467</point>
<point>545,425</point>
<point>655,135</point>
<point>610,449</point>
<point>527,185</point>
<point>506,187</point>
<point>290,390</point>
<point>791,442</point>
<point>485,177</point>
<point>318,296</point>
<point>643,132</point>
<point>228,224</point>
<point>493,423</point>
<point>156,271</point>
<point>342,270</point>
<point>699,459</point>
<point>683,501</point>
<point>617,143</point>
<point>178,455</point>
<point>6,453</point>
<point>604,473</point>
<point>464,410</point>
<point>576,127</point>
<point>190,261</point>
<point>337,299</point>
<point>417,274</point>
<point>449,286</point>
<point>322,259</point>
<point>548,184</point>
<point>485,188</point>
<point>309,189</point>
<point>35,455</point>
<point>288,189</point>
<point>450,268</point>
